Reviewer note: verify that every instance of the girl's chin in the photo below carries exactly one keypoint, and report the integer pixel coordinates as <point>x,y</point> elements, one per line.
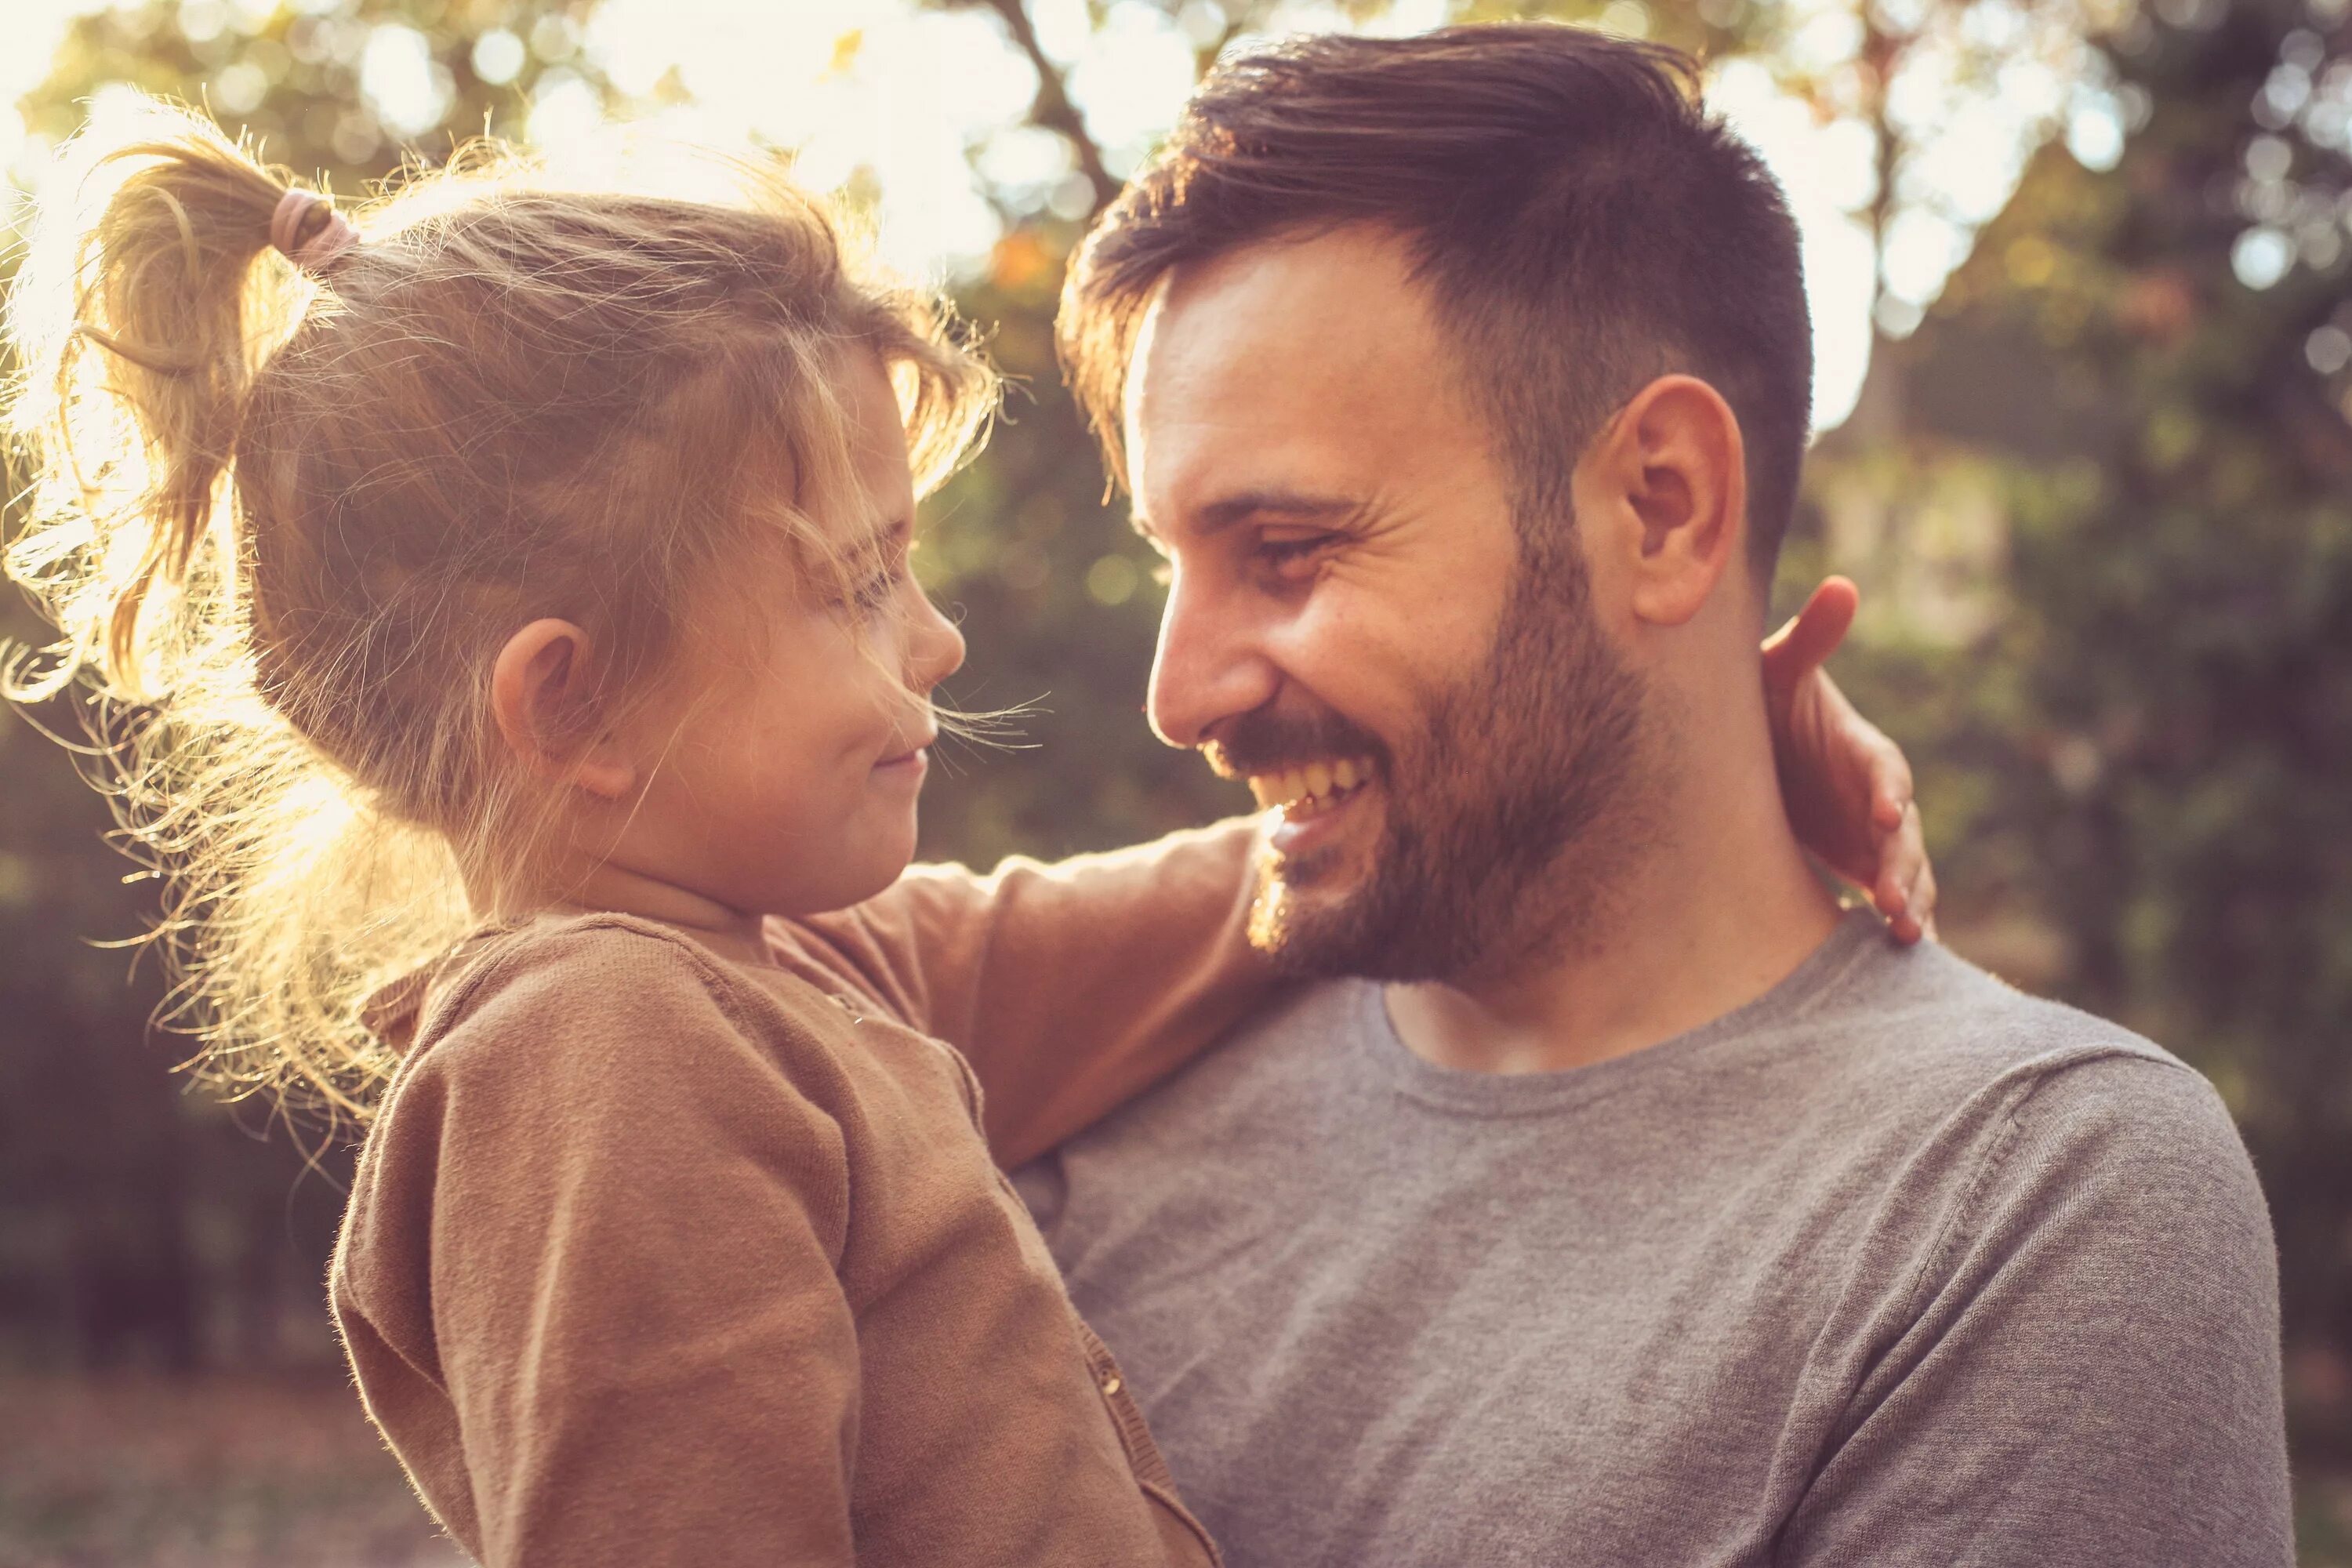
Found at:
<point>863,855</point>
<point>879,869</point>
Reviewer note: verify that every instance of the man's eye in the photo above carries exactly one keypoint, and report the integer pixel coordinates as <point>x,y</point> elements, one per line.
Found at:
<point>1287,550</point>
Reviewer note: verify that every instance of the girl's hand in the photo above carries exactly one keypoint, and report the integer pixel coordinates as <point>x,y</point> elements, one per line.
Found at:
<point>1847,786</point>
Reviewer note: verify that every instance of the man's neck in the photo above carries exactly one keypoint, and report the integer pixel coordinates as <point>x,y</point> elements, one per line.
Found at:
<point>1725,909</point>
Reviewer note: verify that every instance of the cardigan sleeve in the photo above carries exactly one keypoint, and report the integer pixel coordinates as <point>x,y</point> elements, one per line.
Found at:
<point>1070,987</point>
<point>588,1280</point>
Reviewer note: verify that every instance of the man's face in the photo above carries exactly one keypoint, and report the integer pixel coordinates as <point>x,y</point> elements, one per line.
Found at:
<point>1353,623</point>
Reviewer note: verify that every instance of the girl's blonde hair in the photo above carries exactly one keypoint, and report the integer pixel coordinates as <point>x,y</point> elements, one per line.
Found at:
<point>284,523</point>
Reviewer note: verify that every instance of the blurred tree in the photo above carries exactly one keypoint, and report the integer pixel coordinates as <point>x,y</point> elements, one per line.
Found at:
<point>343,89</point>
<point>2111,477</point>
<point>139,1222</point>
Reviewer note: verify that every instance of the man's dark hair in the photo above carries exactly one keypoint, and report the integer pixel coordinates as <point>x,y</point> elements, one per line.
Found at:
<point>1581,223</point>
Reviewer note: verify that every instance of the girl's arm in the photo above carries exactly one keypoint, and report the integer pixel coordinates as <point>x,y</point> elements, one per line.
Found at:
<point>1070,987</point>
<point>1074,987</point>
<point>587,1280</point>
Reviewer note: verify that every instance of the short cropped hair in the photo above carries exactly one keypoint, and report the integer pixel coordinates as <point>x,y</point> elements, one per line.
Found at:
<point>1580,222</point>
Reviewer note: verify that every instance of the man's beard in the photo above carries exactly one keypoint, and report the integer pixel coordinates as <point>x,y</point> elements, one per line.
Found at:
<point>1508,818</point>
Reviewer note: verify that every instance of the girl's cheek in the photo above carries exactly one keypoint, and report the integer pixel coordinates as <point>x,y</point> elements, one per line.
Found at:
<point>885,662</point>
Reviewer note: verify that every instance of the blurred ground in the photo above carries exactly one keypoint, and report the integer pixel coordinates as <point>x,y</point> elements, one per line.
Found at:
<point>143,1470</point>
<point>136,1470</point>
<point>2322,1522</point>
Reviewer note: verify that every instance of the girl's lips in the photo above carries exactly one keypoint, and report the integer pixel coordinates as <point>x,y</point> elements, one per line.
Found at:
<point>910,757</point>
<point>912,764</point>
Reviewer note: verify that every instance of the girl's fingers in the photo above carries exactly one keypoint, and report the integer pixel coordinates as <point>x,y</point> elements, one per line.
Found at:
<point>1923,899</point>
<point>1800,647</point>
<point>1905,848</point>
<point>1890,797</point>
<point>1904,876</point>
<point>1890,779</point>
<point>1894,901</point>
<point>1891,892</point>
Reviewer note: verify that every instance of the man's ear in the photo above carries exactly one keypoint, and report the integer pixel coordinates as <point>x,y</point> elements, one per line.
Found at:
<point>543,696</point>
<point>1674,473</point>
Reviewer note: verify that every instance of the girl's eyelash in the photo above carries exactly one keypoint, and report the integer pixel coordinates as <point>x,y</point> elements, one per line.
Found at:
<point>877,591</point>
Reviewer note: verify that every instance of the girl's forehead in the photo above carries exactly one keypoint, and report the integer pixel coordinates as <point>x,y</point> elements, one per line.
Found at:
<point>832,486</point>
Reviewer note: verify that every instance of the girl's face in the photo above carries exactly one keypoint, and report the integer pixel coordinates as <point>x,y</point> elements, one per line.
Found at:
<point>782,759</point>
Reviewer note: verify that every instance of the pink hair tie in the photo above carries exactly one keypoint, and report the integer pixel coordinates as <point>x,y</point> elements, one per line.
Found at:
<point>321,249</point>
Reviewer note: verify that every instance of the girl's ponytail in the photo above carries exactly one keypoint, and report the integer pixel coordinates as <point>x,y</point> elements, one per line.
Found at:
<point>140,319</point>
<point>150,300</point>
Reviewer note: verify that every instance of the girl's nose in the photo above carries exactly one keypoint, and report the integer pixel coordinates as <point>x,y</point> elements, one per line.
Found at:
<point>935,648</point>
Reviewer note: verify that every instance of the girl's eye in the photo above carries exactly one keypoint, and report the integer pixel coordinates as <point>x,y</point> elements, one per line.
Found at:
<point>882,587</point>
<point>876,593</point>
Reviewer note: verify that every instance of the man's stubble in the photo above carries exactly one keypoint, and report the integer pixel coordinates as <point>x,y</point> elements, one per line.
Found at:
<point>1511,815</point>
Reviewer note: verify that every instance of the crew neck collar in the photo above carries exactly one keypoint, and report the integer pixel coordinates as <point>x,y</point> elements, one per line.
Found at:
<point>1855,939</point>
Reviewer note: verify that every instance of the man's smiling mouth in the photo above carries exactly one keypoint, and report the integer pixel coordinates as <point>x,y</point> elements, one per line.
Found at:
<point>1311,790</point>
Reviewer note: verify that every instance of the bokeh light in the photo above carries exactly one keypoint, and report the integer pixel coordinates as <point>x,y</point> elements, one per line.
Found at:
<point>924,111</point>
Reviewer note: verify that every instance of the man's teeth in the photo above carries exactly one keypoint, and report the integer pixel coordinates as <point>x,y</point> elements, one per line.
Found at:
<point>1314,787</point>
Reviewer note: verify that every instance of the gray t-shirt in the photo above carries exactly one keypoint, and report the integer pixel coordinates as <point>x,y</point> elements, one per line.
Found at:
<point>1892,1266</point>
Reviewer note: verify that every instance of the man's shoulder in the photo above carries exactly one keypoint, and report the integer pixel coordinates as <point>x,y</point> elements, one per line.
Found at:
<point>1935,1039</point>
<point>2045,1202</point>
<point>1929,1016</point>
<point>2009,1131</point>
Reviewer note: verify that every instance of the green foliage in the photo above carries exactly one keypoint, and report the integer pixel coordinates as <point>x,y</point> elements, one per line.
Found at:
<point>141,1221</point>
<point>2150,746</point>
<point>292,79</point>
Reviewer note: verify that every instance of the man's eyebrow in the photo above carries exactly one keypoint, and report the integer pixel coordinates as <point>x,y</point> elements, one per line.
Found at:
<point>1225,512</point>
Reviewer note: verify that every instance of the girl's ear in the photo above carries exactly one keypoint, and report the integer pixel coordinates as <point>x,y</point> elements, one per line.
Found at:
<point>543,695</point>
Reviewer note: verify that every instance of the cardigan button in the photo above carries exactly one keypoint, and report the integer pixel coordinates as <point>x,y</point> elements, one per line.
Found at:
<point>1110,1386</point>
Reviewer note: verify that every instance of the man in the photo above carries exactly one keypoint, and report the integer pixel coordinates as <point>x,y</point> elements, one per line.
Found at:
<point>1605,1195</point>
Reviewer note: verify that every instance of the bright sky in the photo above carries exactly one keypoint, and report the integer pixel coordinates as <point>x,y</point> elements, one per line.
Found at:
<point>929,102</point>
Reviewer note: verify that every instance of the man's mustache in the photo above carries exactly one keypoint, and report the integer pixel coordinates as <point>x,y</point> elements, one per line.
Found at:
<point>1263,742</point>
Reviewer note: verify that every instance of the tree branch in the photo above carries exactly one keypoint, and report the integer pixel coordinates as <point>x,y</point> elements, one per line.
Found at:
<point>1052,107</point>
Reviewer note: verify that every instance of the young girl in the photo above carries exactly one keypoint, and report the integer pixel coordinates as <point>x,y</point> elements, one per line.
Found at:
<point>505,606</point>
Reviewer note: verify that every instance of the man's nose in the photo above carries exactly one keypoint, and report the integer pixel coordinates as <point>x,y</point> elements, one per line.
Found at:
<point>1209,667</point>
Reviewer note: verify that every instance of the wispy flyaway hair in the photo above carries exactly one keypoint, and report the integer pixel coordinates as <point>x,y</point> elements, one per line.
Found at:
<point>283,522</point>
<point>1580,222</point>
